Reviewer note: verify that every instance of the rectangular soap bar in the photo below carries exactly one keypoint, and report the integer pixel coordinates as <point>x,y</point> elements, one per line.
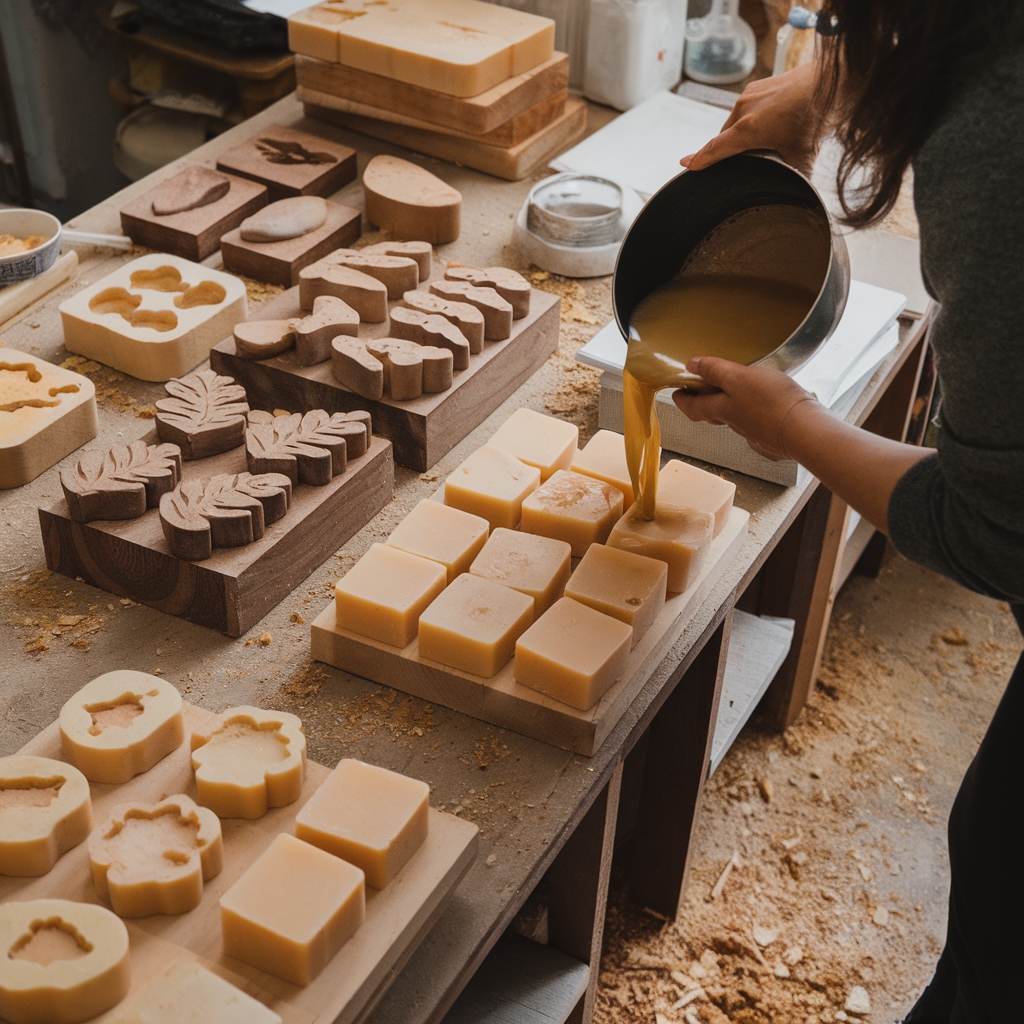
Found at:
<point>604,458</point>
<point>680,537</point>
<point>535,566</point>
<point>443,534</point>
<point>575,508</point>
<point>368,816</point>
<point>292,910</point>
<point>538,440</point>
<point>679,483</point>
<point>492,484</point>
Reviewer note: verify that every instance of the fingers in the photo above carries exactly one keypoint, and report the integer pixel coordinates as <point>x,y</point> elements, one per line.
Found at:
<point>701,408</point>
<point>717,372</point>
<point>730,142</point>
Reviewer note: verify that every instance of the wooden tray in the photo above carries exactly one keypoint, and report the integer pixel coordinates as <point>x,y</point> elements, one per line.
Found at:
<point>508,704</point>
<point>236,587</point>
<point>397,918</point>
<point>424,429</point>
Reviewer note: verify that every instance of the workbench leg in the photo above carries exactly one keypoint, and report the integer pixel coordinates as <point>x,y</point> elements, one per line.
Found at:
<point>678,755</point>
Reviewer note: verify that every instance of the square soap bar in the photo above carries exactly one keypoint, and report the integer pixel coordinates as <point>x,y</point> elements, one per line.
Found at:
<point>492,484</point>
<point>573,653</point>
<point>575,508</point>
<point>368,816</point>
<point>535,566</point>
<point>292,910</point>
<point>604,458</point>
<point>680,537</point>
<point>442,534</point>
<point>384,593</point>
<point>474,625</point>
<point>538,440</point>
<point>679,483</point>
<point>626,586</point>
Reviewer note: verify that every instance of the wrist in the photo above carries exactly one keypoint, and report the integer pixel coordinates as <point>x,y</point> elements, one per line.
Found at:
<point>797,425</point>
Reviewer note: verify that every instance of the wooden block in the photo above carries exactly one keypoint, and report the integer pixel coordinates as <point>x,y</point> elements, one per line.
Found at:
<point>280,262</point>
<point>204,416</point>
<point>509,284</point>
<point>155,317</point>
<point>402,370</point>
<point>410,202</point>
<point>431,329</point>
<point>16,297</point>
<point>46,412</point>
<point>310,449</point>
<point>498,312</point>
<point>331,317</point>
<point>291,163</point>
<point>261,339</point>
<point>398,274</point>
<point>468,319</point>
<point>365,294</point>
<point>195,233</point>
<point>421,252</point>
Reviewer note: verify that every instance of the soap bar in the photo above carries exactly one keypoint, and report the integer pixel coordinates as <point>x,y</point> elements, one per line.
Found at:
<point>292,910</point>
<point>536,566</point>
<point>442,534</point>
<point>624,585</point>
<point>680,537</point>
<point>575,508</point>
<point>153,858</point>
<point>368,816</point>
<point>474,625</point>
<point>492,484</point>
<point>248,760</point>
<point>679,483</point>
<point>120,725</point>
<point>538,440</point>
<point>63,962</point>
<point>604,458</point>
<point>573,653</point>
<point>45,810</point>
<point>384,593</point>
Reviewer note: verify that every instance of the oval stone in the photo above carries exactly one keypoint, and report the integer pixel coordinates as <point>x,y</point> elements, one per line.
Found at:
<point>287,218</point>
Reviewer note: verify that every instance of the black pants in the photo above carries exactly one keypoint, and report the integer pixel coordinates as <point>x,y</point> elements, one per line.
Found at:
<point>978,977</point>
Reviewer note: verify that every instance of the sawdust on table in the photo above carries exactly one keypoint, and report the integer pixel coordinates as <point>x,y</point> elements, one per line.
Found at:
<point>108,392</point>
<point>52,617</point>
<point>259,292</point>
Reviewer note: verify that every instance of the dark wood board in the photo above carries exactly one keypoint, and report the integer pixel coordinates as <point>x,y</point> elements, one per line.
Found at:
<point>236,587</point>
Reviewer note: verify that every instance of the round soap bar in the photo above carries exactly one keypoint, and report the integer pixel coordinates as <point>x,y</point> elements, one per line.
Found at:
<point>287,218</point>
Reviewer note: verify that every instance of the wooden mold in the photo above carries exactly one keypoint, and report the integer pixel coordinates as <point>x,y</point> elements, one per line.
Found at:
<point>410,202</point>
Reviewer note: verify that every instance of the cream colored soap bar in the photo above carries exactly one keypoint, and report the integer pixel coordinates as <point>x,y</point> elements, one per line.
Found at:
<point>535,566</point>
<point>474,625</point>
<point>492,484</point>
<point>538,440</point>
<point>292,910</point>
<point>679,483</point>
<point>575,508</point>
<point>573,653</point>
<point>604,458</point>
<point>368,816</point>
<point>45,810</point>
<point>384,593</point>
<point>153,858</point>
<point>120,725</point>
<point>248,760</point>
<point>680,537</point>
<point>626,586</point>
<point>63,962</point>
<point>442,534</point>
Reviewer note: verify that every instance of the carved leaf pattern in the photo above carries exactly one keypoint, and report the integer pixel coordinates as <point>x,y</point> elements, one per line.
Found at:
<point>284,151</point>
<point>309,449</point>
<point>205,414</point>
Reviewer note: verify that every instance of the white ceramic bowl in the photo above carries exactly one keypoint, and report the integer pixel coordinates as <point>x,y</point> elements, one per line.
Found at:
<point>20,266</point>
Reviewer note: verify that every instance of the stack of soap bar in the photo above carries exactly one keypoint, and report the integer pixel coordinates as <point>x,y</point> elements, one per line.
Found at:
<point>538,440</point>
<point>368,816</point>
<point>120,725</point>
<point>474,625</point>
<point>248,760</point>
<point>604,458</point>
<point>383,595</point>
<point>492,484</point>
<point>292,910</point>
<point>680,537</point>
<point>535,566</point>
<point>442,534</point>
<point>574,508</point>
<point>573,653</point>
<point>679,483</point>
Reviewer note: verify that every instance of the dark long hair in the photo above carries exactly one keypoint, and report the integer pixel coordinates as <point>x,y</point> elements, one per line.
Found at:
<point>889,74</point>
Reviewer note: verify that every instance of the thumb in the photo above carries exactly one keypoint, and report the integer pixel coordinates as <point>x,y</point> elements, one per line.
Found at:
<point>714,370</point>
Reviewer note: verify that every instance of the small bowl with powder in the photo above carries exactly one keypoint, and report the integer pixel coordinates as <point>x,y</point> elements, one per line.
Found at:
<point>29,244</point>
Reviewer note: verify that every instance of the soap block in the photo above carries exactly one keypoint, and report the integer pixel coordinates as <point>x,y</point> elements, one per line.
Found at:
<point>248,760</point>
<point>535,566</point>
<point>45,810</point>
<point>538,440</point>
<point>292,910</point>
<point>368,816</point>
<point>474,625</point>
<point>120,725</point>
<point>679,483</point>
<point>442,534</point>
<point>573,653</point>
<point>680,537</point>
<point>624,585</point>
<point>492,484</point>
<point>574,508</point>
<point>383,595</point>
<point>604,458</point>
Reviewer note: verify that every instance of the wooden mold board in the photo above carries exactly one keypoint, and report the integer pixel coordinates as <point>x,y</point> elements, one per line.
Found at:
<point>510,705</point>
<point>397,917</point>
<point>423,429</point>
<point>236,587</point>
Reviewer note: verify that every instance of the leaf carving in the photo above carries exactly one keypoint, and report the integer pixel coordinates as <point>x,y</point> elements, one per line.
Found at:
<point>308,449</point>
<point>282,151</point>
<point>121,482</point>
<point>204,416</point>
<point>224,511</point>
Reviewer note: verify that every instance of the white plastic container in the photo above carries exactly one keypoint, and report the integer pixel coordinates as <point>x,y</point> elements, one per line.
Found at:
<point>634,49</point>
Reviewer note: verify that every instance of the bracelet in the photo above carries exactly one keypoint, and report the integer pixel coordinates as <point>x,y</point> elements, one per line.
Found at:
<point>782,426</point>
